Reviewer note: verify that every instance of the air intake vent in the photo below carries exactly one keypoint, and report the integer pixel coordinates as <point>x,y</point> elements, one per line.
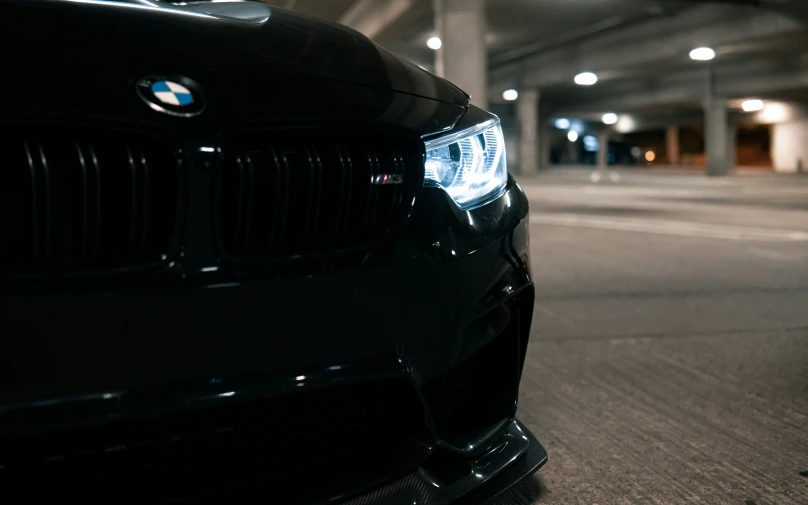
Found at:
<point>73,200</point>
<point>312,193</point>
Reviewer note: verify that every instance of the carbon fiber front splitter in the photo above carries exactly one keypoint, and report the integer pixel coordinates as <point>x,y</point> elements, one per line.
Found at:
<point>515,457</point>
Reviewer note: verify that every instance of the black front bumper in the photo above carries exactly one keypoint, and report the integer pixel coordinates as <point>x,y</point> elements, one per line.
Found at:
<point>516,455</point>
<point>443,313</point>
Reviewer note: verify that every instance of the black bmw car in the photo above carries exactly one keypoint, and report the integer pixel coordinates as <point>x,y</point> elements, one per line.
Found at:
<point>250,257</point>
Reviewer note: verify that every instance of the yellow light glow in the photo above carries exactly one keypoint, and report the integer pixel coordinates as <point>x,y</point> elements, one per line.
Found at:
<point>650,156</point>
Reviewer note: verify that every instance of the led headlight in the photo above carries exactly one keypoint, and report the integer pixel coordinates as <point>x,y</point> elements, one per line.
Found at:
<point>469,164</point>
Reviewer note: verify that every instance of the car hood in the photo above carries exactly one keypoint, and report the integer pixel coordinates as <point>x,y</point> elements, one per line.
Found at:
<point>235,35</point>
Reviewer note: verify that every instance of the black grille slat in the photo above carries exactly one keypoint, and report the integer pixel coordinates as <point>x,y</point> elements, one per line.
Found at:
<point>144,234</point>
<point>309,216</point>
<point>344,192</point>
<point>371,187</point>
<point>286,195</point>
<point>250,198</point>
<point>34,201</point>
<point>85,203</point>
<point>97,200</point>
<point>47,202</point>
<point>273,237</point>
<point>323,191</point>
<point>133,206</point>
<point>318,190</point>
<point>97,229</point>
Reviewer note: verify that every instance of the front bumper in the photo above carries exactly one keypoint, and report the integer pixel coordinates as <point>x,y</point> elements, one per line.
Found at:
<point>447,304</point>
<point>517,455</point>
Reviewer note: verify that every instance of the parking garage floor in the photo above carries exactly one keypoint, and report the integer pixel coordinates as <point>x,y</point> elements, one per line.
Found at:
<point>668,360</point>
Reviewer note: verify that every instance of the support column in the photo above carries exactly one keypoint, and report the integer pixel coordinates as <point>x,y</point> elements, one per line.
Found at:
<point>462,58</point>
<point>672,144</point>
<point>732,144</point>
<point>527,111</point>
<point>716,134</point>
<point>542,138</point>
<point>544,142</point>
<point>603,151</point>
<point>716,125</point>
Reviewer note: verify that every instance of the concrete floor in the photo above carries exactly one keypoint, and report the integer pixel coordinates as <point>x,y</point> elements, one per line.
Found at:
<point>669,352</point>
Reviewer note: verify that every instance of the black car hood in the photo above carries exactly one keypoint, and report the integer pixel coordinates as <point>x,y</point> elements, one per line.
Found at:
<point>289,43</point>
<point>333,51</point>
<point>83,59</point>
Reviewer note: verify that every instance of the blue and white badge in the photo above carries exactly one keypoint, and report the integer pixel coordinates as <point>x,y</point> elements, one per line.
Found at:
<point>177,96</point>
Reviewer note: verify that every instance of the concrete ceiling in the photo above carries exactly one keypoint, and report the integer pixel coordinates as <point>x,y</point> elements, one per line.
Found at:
<point>512,24</point>
<point>638,48</point>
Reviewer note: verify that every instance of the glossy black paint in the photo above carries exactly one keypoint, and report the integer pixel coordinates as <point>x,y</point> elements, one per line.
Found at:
<point>196,330</point>
<point>290,69</point>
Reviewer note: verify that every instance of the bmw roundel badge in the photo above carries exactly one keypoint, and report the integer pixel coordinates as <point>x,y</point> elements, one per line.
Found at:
<point>177,96</point>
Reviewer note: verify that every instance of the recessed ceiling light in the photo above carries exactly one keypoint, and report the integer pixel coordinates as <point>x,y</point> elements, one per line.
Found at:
<point>752,105</point>
<point>586,79</point>
<point>609,118</point>
<point>510,95</point>
<point>434,43</point>
<point>562,123</point>
<point>702,54</point>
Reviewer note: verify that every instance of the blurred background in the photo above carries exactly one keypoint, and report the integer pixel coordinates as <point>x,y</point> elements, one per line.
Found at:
<point>663,146</point>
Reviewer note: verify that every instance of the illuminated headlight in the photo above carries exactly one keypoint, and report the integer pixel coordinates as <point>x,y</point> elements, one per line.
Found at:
<point>469,164</point>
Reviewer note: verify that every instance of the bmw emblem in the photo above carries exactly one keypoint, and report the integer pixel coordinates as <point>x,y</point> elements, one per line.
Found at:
<point>177,96</point>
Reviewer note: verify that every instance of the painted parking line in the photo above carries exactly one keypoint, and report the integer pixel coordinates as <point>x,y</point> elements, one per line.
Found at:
<point>677,228</point>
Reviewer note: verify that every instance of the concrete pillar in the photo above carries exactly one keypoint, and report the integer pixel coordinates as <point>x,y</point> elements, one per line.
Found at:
<point>716,134</point>
<point>462,58</point>
<point>716,125</point>
<point>527,111</point>
<point>732,144</point>
<point>672,144</point>
<point>544,142</point>
<point>603,150</point>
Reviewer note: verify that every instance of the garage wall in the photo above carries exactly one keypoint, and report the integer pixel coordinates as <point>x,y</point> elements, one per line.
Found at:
<point>790,146</point>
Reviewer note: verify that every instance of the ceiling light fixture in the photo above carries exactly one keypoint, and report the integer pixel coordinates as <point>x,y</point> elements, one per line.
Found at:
<point>586,79</point>
<point>562,123</point>
<point>510,95</point>
<point>702,54</point>
<point>752,105</point>
<point>434,43</point>
<point>609,118</point>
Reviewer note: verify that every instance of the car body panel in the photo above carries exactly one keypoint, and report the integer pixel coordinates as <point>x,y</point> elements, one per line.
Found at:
<point>291,68</point>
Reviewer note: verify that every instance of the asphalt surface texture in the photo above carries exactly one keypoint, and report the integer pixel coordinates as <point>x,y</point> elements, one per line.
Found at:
<point>668,360</point>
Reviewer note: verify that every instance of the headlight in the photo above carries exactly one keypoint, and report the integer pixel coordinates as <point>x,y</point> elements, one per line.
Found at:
<point>469,164</point>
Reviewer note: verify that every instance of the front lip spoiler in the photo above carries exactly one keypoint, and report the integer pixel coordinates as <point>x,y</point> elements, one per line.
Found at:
<point>517,455</point>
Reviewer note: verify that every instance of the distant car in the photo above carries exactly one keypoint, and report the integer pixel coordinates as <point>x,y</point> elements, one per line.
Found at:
<point>248,255</point>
